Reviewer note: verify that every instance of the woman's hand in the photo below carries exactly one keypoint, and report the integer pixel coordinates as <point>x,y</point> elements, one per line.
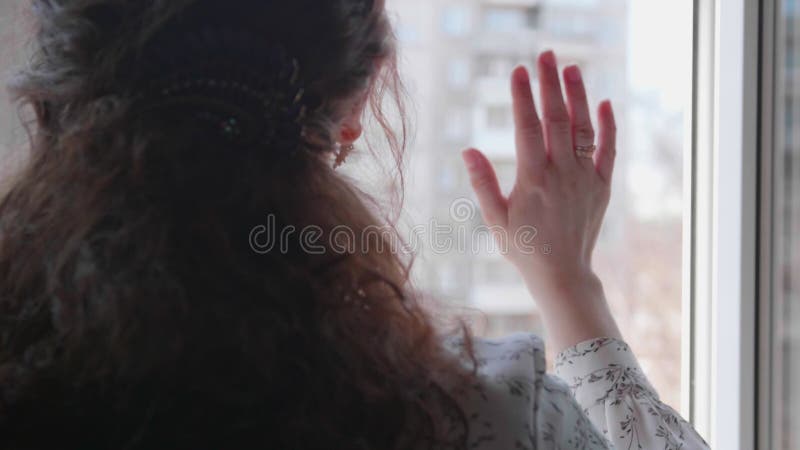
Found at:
<point>559,192</point>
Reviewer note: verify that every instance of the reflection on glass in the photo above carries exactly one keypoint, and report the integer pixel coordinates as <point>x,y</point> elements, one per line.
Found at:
<point>620,45</point>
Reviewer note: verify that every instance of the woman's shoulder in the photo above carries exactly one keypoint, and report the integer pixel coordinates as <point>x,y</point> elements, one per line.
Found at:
<point>494,354</point>
<point>510,368</point>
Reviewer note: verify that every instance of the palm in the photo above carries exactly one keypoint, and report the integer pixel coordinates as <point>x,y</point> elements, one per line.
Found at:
<point>560,192</point>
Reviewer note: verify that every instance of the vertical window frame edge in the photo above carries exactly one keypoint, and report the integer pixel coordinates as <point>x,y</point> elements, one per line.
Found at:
<point>735,229</point>
<point>698,274</point>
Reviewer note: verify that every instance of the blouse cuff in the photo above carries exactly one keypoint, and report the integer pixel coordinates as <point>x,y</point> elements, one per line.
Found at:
<point>597,365</point>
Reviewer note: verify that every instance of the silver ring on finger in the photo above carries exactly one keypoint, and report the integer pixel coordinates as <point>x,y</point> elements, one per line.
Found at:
<point>585,151</point>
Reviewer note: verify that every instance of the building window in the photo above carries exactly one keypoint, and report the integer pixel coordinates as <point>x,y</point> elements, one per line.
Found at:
<point>494,65</point>
<point>498,117</point>
<point>510,18</point>
<point>458,73</point>
<point>457,123</point>
<point>407,34</point>
<point>456,20</point>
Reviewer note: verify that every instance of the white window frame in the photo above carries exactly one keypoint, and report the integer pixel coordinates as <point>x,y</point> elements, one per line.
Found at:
<point>721,259</point>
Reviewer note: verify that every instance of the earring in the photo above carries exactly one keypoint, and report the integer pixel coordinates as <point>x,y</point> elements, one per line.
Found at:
<point>342,152</point>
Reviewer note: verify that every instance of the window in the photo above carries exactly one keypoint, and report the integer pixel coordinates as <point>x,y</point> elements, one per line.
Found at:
<point>649,79</point>
<point>407,35</point>
<point>447,179</point>
<point>510,18</point>
<point>456,128</point>
<point>494,65</point>
<point>681,248</point>
<point>455,20</point>
<point>458,73</point>
<point>499,117</point>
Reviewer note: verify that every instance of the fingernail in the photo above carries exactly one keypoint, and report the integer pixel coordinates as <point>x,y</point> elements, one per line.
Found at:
<point>470,159</point>
<point>549,58</point>
<point>573,74</point>
<point>522,74</point>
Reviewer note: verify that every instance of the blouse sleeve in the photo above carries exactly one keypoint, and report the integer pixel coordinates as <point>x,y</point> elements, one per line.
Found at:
<point>609,385</point>
<point>514,404</point>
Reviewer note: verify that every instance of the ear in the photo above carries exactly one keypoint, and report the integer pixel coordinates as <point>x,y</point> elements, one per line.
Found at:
<point>350,133</point>
<point>351,127</point>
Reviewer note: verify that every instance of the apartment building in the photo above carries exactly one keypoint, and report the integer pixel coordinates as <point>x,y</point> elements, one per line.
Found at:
<point>458,56</point>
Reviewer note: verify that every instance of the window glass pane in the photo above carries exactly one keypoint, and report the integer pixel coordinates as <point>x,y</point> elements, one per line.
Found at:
<point>622,48</point>
<point>785,369</point>
<point>460,89</point>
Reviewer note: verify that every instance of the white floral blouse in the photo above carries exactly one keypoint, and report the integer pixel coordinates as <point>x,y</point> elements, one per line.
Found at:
<point>600,399</point>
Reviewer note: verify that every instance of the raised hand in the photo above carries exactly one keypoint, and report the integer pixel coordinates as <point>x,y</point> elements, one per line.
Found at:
<point>562,189</point>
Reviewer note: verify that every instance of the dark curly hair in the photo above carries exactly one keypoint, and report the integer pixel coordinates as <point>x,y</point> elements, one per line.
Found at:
<point>134,313</point>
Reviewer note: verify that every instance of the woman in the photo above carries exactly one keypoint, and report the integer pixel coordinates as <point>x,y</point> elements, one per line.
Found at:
<point>137,314</point>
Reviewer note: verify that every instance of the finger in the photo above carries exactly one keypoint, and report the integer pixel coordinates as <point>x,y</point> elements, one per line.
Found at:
<point>578,105</point>
<point>607,141</point>
<point>531,151</point>
<point>494,206</point>
<point>557,125</point>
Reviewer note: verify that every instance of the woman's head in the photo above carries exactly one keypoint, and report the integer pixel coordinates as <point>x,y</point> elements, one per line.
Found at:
<point>136,311</point>
<point>97,51</point>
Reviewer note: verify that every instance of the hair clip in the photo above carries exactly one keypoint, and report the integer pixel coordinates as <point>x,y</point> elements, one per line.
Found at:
<point>245,92</point>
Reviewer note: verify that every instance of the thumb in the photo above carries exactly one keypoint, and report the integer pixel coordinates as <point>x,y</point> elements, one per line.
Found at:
<point>484,182</point>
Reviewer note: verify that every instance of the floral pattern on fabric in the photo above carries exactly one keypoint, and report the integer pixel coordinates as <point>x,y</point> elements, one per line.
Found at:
<point>615,394</point>
<point>606,403</point>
